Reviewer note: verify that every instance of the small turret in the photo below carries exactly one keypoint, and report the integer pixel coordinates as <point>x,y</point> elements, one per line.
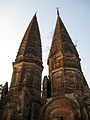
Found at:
<point>5,90</point>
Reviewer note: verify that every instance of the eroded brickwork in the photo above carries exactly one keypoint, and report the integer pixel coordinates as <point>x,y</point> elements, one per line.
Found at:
<point>23,99</point>
<point>66,80</point>
<point>65,96</point>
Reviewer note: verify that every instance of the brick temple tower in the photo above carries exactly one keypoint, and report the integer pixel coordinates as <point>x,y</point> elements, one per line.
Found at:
<point>23,101</point>
<point>64,96</point>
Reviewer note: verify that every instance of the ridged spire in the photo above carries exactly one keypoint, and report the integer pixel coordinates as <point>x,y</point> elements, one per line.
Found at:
<point>63,44</point>
<point>30,48</point>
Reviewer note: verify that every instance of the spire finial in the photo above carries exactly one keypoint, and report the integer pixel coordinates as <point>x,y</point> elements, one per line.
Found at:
<point>36,12</point>
<point>57,10</point>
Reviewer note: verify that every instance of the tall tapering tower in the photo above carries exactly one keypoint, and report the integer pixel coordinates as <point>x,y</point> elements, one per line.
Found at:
<point>66,95</point>
<point>63,89</point>
<point>23,101</point>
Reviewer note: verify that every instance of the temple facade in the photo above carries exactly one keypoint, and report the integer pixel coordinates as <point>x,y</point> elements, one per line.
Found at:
<point>65,94</point>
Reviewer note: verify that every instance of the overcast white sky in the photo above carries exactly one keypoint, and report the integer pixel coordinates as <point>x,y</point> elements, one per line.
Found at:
<point>15,16</point>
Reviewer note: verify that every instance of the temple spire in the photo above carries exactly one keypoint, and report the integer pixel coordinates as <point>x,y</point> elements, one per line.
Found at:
<point>63,46</point>
<point>30,49</point>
